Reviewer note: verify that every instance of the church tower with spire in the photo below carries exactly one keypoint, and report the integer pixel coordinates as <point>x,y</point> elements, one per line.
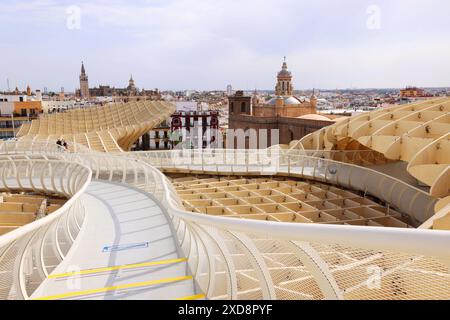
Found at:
<point>131,87</point>
<point>84,83</point>
<point>284,85</point>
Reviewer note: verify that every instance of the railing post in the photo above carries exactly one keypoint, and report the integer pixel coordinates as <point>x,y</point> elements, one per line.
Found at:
<point>247,160</point>
<point>203,160</point>
<point>254,255</point>
<point>289,164</point>
<point>319,269</point>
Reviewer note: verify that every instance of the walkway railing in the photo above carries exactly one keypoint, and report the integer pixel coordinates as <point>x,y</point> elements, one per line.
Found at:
<point>398,194</point>
<point>245,259</point>
<point>359,157</point>
<point>38,146</point>
<point>27,146</point>
<point>30,253</point>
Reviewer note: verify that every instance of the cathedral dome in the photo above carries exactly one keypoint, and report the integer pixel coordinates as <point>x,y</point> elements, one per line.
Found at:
<point>284,71</point>
<point>291,101</point>
<point>288,101</point>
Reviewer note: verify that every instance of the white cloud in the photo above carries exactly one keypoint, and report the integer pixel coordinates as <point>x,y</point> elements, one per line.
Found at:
<point>208,44</point>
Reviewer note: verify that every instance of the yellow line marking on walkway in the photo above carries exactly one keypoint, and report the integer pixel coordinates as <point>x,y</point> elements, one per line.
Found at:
<point>115,288</point>
<point>106,269</point>
<point>196,297</point>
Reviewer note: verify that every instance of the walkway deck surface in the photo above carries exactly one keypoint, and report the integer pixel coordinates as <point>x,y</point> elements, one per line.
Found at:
<point>122,227</point>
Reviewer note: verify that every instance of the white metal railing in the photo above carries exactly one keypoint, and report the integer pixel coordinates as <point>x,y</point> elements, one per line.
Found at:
<point>363,157</point>
<point>245,259</point>
<point>396,193</point>
<point>38,146</point>
<point>28,254</point>
<point>27,146</point>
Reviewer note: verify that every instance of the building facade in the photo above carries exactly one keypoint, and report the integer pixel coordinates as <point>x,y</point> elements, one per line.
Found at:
<point>16,110</point>
<point>19,105</point>
<point>185,129</point>
<point>10,125</point>
<point>414,92</point>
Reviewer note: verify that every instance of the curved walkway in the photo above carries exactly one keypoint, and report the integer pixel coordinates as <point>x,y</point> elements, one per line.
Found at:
<point>126,250</point>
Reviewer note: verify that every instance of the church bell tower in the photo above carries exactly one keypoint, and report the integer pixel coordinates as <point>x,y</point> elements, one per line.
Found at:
<point>84,83</point>
<point>284,85</point>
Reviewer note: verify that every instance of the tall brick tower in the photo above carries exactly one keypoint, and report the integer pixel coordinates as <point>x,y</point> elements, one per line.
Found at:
<point>84,83</point>
<point>284,86</point>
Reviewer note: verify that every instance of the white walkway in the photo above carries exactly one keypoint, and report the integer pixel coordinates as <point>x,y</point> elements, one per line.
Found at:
<point>126,233</point>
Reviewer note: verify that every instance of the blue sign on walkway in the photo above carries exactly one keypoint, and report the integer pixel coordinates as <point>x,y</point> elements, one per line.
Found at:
<point>122,247</point>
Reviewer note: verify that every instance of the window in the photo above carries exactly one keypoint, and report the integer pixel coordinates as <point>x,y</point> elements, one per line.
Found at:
<point>247,133</point>
<point>243,107</point>
<point>232,108</point>
<point>6,135</point>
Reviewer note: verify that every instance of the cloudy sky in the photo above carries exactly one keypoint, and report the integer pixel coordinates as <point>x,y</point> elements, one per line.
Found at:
<point>207,44</point>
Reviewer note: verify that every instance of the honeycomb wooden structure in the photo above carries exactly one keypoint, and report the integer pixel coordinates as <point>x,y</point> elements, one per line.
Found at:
<point>110,128</point>
<point>282,200</point>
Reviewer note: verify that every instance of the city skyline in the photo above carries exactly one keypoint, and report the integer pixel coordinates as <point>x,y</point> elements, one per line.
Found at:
<point>196,45</point>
